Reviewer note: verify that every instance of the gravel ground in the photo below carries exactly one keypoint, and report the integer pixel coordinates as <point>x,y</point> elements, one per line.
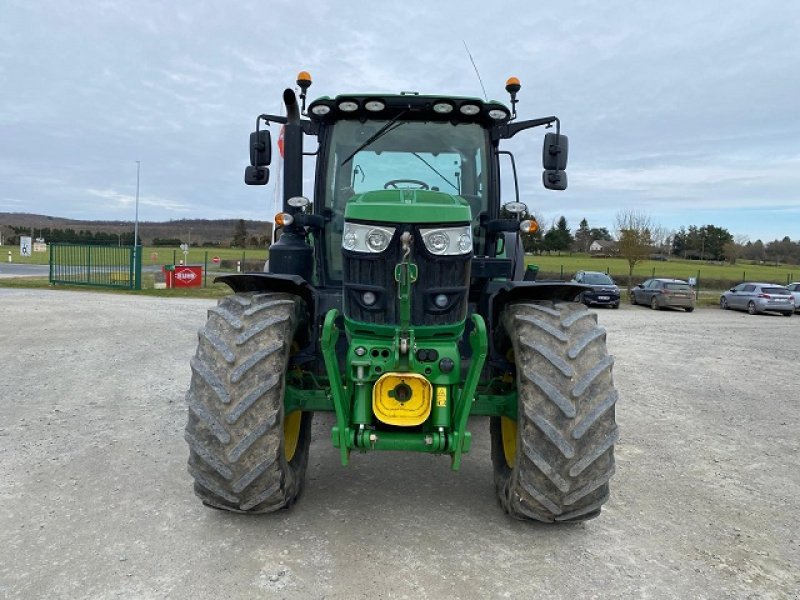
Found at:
<point>95,500</point>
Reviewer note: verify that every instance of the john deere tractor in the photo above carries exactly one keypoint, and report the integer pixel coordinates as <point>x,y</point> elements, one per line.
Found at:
<point>397,298</point>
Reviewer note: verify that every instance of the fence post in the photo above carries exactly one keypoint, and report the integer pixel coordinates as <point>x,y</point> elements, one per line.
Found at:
<point>654,272</point>
<point>139,267</point>
<point>173,256</point>
<point>562,273</point>
<point>205,270</point>
<point>744,273</point>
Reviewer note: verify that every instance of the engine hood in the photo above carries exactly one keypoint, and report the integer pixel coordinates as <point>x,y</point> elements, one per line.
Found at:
<point>408,206</point>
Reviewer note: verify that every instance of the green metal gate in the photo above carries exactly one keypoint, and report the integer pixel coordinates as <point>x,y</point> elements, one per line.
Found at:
<point>102,266</point>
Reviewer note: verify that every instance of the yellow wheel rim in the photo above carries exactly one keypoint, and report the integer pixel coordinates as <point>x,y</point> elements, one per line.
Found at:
<point>291,433</point>
<point>508,430</point>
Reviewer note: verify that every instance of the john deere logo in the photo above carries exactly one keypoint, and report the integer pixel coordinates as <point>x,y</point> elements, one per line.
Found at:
<point>186,275</point>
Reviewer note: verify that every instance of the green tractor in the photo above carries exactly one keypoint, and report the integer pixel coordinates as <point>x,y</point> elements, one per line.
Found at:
<point>398,299</point>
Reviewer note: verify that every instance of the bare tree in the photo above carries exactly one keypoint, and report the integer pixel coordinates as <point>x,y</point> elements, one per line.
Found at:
<point>735,248</point>
<point>634,238</point>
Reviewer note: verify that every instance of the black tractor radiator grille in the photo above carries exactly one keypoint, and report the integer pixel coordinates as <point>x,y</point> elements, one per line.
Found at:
<point>446,276</point>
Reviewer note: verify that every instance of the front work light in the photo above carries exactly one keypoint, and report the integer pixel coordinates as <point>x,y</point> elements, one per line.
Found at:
<point>448,241</point>
<point>357,237</point>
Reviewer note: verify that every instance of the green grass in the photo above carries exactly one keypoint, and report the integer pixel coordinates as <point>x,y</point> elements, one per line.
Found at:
<point>153,255</point>
<point>677,268</point>
<point>712,277</point>
<point>214,290</point>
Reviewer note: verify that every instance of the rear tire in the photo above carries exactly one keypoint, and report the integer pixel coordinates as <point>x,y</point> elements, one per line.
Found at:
<point>561,447</point>
<point>654,303</point>
<point>788,314</point>
<point>689,309</point>
<point>245,454</point>
<point>751,307</point>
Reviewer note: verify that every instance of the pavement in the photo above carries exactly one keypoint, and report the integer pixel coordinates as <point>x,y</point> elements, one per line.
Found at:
<point>96,503</point>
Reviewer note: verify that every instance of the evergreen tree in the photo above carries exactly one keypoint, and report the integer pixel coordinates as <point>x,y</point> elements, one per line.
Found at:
<point>583,237</point>
<point>239,235</point>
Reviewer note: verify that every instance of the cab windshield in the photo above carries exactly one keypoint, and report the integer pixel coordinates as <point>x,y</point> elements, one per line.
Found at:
<point>426,155</point>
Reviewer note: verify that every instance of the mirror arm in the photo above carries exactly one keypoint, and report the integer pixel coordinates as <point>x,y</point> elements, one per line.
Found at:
<point>509,130</point>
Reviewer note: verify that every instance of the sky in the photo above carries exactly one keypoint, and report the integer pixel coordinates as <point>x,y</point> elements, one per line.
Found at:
<point>687,111</point>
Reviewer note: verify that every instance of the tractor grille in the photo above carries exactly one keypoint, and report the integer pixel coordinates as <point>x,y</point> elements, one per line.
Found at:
<point>448,275</point>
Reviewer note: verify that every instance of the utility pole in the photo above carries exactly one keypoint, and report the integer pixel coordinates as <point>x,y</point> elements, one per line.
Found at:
<point>136,220</point>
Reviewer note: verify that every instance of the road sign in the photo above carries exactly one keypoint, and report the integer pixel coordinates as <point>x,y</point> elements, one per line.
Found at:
<point>185,247</point>
<point>215,260</point>
<point>25,245</point>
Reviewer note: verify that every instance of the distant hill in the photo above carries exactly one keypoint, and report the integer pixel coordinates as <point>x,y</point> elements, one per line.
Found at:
<point>195,231</point>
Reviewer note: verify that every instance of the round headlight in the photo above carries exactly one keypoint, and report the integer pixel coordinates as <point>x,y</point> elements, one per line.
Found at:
<point>443,108</point>
<point>368,298</point>
<point>497,114</point>
<point>321,110</point>
<point>464,242</point>
<point>469,109</point>
<point>375,105</point>
<point>440,300</point>
<point>349,240</point>
<point>298,201</point>
<point>438,242</point>
<point>348,106</point>
<point>377,240</point>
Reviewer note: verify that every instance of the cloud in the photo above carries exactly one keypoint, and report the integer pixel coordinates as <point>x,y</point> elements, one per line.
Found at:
<point>119,200</point>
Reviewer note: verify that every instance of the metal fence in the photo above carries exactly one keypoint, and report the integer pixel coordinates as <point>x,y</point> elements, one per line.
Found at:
<point>102,266</point>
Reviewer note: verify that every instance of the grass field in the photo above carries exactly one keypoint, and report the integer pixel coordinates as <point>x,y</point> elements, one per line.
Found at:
<point>154,255</point>
<point>677,268</point>
<point>712,277</point>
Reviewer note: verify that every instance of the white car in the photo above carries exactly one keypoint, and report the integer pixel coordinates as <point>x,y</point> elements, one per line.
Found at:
<point>795,289</point>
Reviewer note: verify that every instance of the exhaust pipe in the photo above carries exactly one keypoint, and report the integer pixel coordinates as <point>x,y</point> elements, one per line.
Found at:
<point>292,108</point>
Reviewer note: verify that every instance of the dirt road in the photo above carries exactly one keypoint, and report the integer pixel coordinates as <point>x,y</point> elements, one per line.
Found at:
<point>95,500</point>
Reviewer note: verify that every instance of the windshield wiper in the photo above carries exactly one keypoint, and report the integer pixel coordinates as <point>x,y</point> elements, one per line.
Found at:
<point>383,130</point>
<point>432,168</point>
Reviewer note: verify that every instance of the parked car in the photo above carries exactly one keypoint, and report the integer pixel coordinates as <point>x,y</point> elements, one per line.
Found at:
<point>794,288</point>
<point>604,291</point>
<point>663,293</point>
<point>758,298</point>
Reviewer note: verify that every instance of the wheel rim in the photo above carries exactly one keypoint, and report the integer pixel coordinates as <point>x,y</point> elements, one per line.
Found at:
<point>508,430</point>
<point>291,433</point>
<point>751,308</point>
<point>654,303</point>
<point>723,303</point>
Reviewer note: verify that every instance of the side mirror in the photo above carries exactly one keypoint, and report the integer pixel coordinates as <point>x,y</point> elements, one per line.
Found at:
<point>640,286</point>
<point>260,148</point>
<point>554,180</point>
<point>256,175</point>
<point>554,152</point>
<point>732,290</point>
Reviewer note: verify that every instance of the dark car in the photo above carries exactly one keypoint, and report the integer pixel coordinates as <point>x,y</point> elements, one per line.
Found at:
<point>663,293</point>
<point>758,298</point>
<point>604,291</point>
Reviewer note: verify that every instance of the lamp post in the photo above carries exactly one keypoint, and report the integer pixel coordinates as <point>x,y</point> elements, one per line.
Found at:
<point>136,220</point>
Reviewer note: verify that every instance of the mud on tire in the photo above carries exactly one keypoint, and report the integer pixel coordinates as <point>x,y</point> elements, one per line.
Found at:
<point>235,428</point>
<point>566,428</point>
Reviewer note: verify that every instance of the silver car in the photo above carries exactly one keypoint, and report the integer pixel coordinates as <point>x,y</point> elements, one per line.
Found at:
<point>794,288</point>
<point>758,298</point>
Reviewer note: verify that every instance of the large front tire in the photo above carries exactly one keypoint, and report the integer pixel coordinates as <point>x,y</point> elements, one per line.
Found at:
<point>245,454</point>
<point>555,462</point>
